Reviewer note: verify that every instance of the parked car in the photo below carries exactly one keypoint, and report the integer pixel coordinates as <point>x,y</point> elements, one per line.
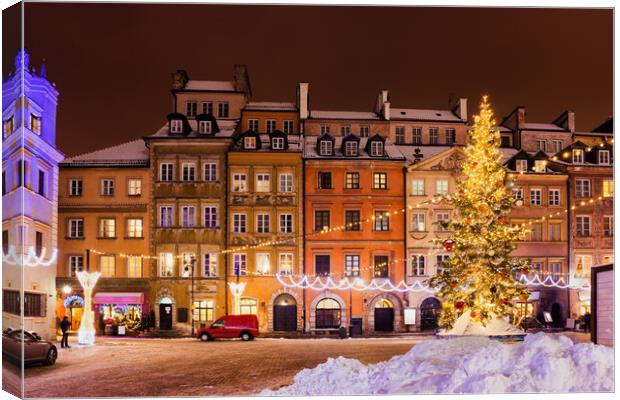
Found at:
<point>35,349</point>
<point>231,326</point>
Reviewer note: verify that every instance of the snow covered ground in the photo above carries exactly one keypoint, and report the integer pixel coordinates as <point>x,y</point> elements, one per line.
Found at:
<point>542,363</point>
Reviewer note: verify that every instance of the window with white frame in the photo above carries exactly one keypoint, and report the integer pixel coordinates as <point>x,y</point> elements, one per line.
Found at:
<point>540,165</point>
<point>107,187</point>
<point>555,270</point>
<point>75,187</point>
<point>583,225</point>
<point>382,221</point>
<point>441,187</point>
<point>166,172</point>
<point>240,183</point>
<point>417,187</point>
<point>210,171</point>
<point>270,125</point>
<point>134,228</point>
<point>418,222</point>
<point>187,260</point>
<point>603,157</point>
<point>450,136</point>
<point>517,193</point>
<point>441,261</point>
<point>442,219</point>
<point>277,143</point>
<point>203,310</point>
<point>350,148</point>
<point>76,264</point>
<point>165,216</point>
<point>253,125</point>
<point>433,135</point>
<point>521,165</point>
<point>554,197</point>
<point>352,180</point>
<point>583,266</point>
<point>240,264</point>
<point>190,108</point>
<point>582,188</point>
<point>285,263</point>
<point>352,265</point>
<point>400,134</point>
<point>76,228</point>
<point>207,107</point>
<point>364,130</point>
<point>608,225</point>
<point>134,187</point>
<point>286,183</point>
<point>541,144</point>
<point>209,265</point>
<point>577,156</point>
<point>324,129</point>
<point>345,130</point>
<point>263,183</point>
<point>205,127</point>
<point>326,147</point>
<point>557,145</point>
<point>379,180</point>
<point>222,109</point>
<point>188,216</point>
<point>166,264</point>
<point>107,228</point>
<point>286,223</point>
<point>263,263</point>
<point>134,266</point>
<point>176,126</point>
<point>189,172</point>
<point>376,149</point>
<point>416,135</point>
<point>535,197</point>
<point>248,306</point>
<point>288,126</point>
<point>417,265</point>
<point>262,223</point>
<point>107,266</point>
<point>249,142</point>
<point>210,217</point>
<point>239,223</point>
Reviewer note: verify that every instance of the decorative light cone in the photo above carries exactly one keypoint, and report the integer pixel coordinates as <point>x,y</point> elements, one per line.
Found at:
<point>237,288</point>
<point>86,333</point>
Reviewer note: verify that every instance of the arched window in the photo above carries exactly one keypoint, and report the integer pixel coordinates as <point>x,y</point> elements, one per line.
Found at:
<point>328,314</point>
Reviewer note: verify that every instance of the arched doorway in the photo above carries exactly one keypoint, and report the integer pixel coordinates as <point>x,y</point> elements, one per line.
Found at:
<point>328,314</point>
<point>429,313</point>
<point>165,313</point>
<point>556,315</point>
<point>285,313</point>
<point>384,316</point>
<point>75,306</point>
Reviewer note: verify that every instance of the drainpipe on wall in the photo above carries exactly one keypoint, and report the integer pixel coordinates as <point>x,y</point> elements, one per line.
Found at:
<point>568,238</point>
<point>226,234</point>
<point>303,221</point>
<point>406,218</point>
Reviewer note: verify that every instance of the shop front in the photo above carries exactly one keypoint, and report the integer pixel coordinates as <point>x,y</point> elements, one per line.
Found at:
<point>119,313</point>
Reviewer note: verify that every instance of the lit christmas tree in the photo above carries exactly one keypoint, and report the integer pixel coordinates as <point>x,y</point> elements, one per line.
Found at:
<point>479,281</point>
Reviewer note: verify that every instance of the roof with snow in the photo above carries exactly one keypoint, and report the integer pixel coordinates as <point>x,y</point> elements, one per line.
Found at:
<point>214,86</point>
<point>269,106</point>
<point>318,114</point>
<point>542,127</point>
<point>310,150</point>
<point>227,129</point>
<point>129,154</point>
<point>423,115</point>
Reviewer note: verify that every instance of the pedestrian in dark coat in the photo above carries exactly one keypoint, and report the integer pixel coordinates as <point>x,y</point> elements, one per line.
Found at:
<point>64,327</point>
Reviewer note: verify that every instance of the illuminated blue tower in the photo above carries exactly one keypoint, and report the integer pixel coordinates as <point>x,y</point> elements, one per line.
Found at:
<point>29,199</point>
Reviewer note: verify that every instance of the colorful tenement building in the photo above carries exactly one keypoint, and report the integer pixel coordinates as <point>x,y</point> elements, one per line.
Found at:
<point>245,192</point>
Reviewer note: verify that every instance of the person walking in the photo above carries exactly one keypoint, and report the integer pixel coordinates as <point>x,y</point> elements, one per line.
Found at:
<point>64,327</point>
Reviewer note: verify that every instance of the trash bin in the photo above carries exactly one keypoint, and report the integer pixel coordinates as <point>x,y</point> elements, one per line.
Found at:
<point>342,332</point>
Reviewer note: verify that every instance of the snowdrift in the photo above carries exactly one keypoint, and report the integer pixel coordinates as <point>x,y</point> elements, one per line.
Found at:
<point>541,363</point>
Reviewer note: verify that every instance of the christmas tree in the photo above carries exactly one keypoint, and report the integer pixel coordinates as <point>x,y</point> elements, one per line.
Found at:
<point>480,278</point>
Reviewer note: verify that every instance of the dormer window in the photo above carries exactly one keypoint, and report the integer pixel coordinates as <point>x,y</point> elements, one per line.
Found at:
<point>603,157</point>
<point>7,126</point>
<point>577,156</point>
<point>176,126</point>
<point>35,124</point>
<point>277,143</point>
<point>376,149</point>
<point>521,165</point>
<point>326,148</point>
<point>540,165</point>
<point>205,127</point>
<point>249,142</point>
<point>350,148</point>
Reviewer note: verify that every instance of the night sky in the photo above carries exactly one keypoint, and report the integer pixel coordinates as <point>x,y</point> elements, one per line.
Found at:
<point>112,63</point>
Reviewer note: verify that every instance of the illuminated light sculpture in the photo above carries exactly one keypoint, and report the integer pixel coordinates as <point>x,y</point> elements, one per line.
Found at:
<point>237,288</point>
<point>30,259</point>
<point>86,333</point>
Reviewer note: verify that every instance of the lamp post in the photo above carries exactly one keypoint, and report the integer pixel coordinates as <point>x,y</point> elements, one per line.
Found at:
<point>190,268</point>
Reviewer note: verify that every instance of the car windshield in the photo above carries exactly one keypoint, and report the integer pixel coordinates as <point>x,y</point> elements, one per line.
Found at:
<point>19,335</point>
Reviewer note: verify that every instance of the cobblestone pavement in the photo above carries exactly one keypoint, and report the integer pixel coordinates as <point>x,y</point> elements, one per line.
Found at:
<point>171,367</point>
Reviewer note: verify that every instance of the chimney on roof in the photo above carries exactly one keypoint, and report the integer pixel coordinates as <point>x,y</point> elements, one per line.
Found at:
<point>566,121</point>
<point>382,106</point>
<point>179,79</point>
<point>242,80</point>
<point>515,120</point>
<point>459,107</point>
<point>303,95</point>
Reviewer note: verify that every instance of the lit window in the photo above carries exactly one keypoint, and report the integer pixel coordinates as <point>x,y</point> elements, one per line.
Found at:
<point>135,187</point>
<point>188,216</point>
<point>381,267</point>
<point>239,264</point>
<point>248,306</point>
<point>583,266</point>
<point>352,180</point>
<point>577,156</point>
<point>417,187</point>
<point>555,270</point>
<point>521,165</point>
<point>240,183</point>
<point>249,142</point>
<point>107,266</point>
<point>418,222</point>
<point>203,310</point>
<point>442,187</point>
<point>166,264</point>
<point>263,183</point>
<point>382,221</point>
<point>379,180</point>
<point>209,265</point>
<point>134,266</point>
<point>35,124</point>
<point>134,227</point>
<point>107,228</point>
<point>352,265</point>
<point>263,265</point>
<point>8,126</point>
<point>540,165</point>
<point>285,264</point>
<point>608,188</point>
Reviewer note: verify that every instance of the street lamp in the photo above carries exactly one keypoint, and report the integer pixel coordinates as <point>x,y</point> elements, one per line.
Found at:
<point>190,268</point>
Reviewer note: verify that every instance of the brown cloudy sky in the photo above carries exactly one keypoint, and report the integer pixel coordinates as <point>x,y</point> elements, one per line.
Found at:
<point>112,63</point>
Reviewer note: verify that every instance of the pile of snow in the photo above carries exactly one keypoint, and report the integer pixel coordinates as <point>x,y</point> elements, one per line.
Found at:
<point>541,363</point>
<point>497,326</point>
